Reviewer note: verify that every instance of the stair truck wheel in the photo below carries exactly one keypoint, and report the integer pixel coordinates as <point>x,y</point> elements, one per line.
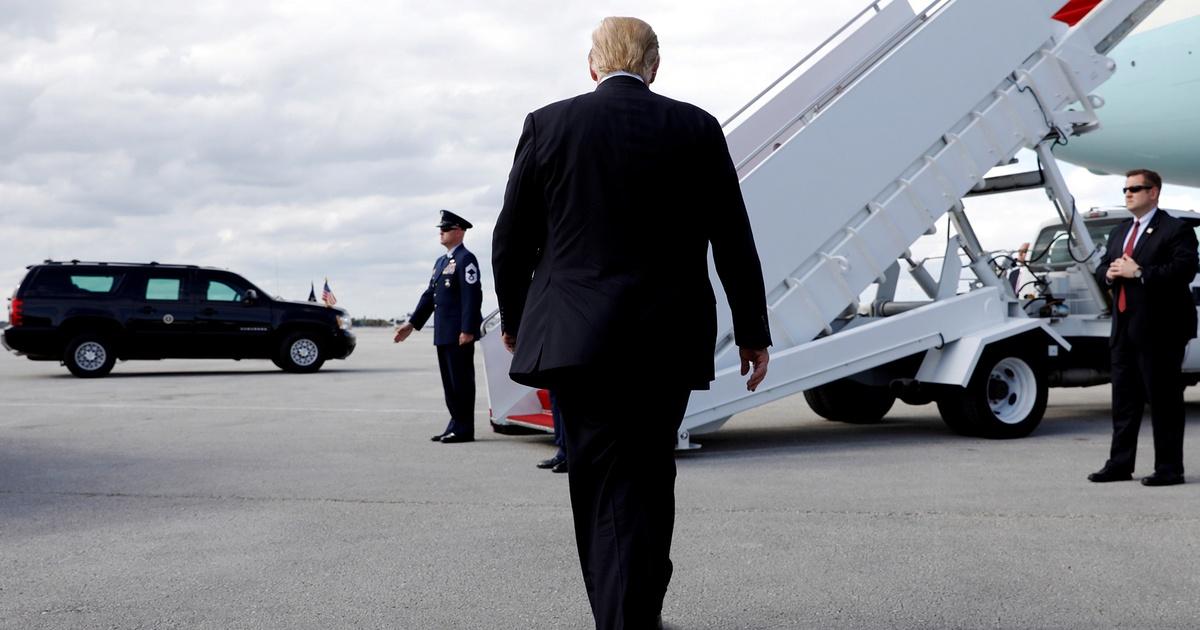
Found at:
<point>300,352</point>
<point>1005,398</point>
<point>90,355</point>
<point>849,401</point>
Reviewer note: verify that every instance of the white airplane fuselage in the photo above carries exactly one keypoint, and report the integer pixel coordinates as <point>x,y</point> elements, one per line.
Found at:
<point>1150,118</point>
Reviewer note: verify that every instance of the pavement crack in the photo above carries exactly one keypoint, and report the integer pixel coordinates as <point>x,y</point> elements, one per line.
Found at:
<point>283,499</point>
<point>981,515</point>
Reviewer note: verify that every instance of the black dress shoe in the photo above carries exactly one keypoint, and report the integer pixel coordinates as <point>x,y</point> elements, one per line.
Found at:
<point>454,438</point>
<point>438,437</point>
<point>1158,479</point>
<point>1105,475</point>
<point>560,467</point>
<point>552,462</point>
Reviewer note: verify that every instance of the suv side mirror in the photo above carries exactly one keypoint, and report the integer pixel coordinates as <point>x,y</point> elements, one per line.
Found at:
<point>250,298</point>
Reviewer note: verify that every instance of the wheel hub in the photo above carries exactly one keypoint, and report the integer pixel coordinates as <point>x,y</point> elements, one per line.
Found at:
<point>303,352</point>
<point>1012,390</point>
<point>90,356</point>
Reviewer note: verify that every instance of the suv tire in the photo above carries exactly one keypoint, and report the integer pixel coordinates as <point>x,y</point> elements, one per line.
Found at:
<point>89,355</point>
<point>300,352</point>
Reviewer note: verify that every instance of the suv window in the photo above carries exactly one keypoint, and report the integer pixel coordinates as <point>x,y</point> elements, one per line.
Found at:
<point>93,283</point>
<point>63,282</point>
<point>163,289</point>
<point>220,292</point>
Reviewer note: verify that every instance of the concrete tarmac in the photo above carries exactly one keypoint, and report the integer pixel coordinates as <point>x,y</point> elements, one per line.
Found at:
<point>221,494</point>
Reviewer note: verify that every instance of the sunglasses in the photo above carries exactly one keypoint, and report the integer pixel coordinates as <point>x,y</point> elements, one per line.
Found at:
<point>1135,189</point>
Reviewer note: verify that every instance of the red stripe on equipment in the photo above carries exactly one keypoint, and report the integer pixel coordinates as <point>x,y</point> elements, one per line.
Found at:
<point>539,420</point>
<point>544,397</point>
<point>1075,10</point>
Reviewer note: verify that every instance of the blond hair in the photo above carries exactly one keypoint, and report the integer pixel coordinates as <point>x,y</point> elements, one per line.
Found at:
<point>624,44</point>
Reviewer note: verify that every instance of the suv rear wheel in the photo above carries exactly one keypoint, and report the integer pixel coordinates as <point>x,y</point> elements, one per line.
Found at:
<point>300,352</point>
<point>89,355</point>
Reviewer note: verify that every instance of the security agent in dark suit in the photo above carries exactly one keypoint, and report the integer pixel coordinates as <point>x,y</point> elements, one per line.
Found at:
<point>600,255</point>
<point>454,298</point>
<point>1149,263</point>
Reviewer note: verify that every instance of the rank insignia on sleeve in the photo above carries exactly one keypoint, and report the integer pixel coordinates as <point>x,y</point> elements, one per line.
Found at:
<point>472,274</point>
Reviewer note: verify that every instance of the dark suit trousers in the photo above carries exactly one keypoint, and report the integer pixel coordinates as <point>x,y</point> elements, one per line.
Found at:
<point>457,364</point>
<point>1151,375</point>
<point>620,445</point>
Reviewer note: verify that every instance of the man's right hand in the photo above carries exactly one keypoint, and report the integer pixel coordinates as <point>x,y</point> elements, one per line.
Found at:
<point>403,331</point>
<point>756,359</point>
<point>510,342</point>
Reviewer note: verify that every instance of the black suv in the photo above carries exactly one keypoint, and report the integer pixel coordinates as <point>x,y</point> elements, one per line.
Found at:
<point>88,315</point>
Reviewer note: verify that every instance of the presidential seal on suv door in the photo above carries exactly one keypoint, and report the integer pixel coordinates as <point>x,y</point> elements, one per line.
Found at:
<point>89,314</point>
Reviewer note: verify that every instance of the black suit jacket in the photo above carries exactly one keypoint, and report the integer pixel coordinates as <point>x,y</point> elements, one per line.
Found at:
<point>1158,306</point>
<point>600,251</point>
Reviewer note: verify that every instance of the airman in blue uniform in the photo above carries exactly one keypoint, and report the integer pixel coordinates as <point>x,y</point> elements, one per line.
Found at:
<point>454,298</point>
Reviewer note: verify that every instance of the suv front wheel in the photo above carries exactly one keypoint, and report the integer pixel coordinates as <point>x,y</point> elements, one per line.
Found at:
<point>300,352</point>
<point>89,356</point>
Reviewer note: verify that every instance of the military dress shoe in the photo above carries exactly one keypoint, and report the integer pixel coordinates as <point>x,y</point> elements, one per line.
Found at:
<point>437,438</point>
<point>552,462</point>
<point>1158,479</point>
<point>1105,475</point>
<point>561,467</point>
<point>454,438</point>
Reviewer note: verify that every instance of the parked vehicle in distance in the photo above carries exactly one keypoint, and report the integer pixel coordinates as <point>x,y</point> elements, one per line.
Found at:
<point>89,314</point>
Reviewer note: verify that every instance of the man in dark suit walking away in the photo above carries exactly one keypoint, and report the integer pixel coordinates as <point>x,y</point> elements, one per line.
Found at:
<point>601,262</point>
<point>454,298</point>
<point>1149,263</point>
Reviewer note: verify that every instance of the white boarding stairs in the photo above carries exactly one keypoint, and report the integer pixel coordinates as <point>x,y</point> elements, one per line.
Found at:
<point>857,152</point>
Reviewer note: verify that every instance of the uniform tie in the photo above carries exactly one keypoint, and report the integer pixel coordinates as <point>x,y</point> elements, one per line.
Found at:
<point>1128,252</point>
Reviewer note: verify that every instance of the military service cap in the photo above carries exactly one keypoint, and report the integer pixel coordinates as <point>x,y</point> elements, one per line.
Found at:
<point>451,220</point>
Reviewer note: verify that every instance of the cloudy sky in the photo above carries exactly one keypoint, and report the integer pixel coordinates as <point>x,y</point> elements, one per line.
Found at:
<point>290,141</point>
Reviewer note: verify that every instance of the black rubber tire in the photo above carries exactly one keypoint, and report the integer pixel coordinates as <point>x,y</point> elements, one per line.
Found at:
<point>90,355</point>
<point>301,353</point>
<point>849,401</point>
<point>968,410</point>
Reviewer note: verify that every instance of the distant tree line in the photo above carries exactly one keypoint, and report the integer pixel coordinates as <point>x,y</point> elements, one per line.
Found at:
<point>372,322</point>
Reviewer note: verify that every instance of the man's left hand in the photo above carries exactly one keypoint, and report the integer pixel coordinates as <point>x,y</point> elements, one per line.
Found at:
<point>1123,267</point>
<point>465,338</point>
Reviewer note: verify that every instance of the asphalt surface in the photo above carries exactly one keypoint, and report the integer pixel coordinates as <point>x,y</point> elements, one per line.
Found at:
<point>216,494</point>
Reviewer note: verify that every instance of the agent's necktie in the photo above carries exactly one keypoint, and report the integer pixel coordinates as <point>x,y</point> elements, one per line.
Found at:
<point>1128,252</point>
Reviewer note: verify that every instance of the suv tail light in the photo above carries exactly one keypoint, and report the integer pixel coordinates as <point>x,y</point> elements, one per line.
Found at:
<point>14,312</point>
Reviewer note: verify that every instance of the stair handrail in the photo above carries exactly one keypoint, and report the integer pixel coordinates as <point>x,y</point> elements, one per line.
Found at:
<point>848,77</point>
<point>873,5</point>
